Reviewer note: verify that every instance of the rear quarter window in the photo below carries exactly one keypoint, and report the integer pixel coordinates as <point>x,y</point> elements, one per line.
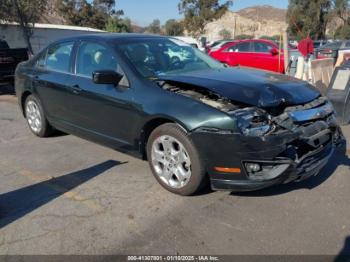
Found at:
<point>240,47</point>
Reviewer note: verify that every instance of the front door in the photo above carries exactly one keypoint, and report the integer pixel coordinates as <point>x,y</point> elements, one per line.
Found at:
<point>240,54</point>
<point>105,110</point>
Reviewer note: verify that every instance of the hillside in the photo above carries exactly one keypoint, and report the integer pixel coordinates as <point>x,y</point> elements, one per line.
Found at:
<point>264,12</point>
<point>256,21</point>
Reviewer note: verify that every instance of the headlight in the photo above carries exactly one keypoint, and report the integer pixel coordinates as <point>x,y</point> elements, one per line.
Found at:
<point>253,121</point>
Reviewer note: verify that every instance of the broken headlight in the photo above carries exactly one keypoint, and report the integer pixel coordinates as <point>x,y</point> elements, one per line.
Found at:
<point>253,121</point>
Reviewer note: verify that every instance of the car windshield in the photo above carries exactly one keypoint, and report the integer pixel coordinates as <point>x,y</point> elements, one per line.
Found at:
<point>157,57</point>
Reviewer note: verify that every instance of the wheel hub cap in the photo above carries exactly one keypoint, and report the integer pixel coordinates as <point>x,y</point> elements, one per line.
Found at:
<point>171,161</point>
<point>33,116</point>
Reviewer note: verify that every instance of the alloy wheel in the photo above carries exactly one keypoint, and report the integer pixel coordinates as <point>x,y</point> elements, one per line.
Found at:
<point>171,161</point>
<point>33,116</point>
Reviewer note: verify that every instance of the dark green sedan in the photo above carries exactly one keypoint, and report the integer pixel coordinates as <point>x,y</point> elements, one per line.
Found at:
<point>195,120</point>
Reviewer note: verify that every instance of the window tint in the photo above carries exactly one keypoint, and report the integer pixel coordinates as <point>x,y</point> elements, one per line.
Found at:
<point>240,47</point>
<point>58,57</point>
<point>92,57</point>
<point>347,44</point>
<point>260,47</point>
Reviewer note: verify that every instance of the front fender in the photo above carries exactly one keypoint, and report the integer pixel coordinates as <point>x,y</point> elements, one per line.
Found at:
<point>187,112</point>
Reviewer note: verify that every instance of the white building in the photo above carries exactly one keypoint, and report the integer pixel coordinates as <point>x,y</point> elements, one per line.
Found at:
<point>43,34</point>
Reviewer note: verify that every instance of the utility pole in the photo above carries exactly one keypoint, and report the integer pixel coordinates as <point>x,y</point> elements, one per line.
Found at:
<point>234,32</point>
<point>285,51</point>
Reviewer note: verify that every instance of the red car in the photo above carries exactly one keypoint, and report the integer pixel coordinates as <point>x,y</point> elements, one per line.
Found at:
<point>262,54</point>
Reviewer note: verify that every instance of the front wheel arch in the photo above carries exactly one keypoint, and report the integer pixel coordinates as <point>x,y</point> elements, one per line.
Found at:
<point>24,97</point>
<point>149,127</point>
<point>198,177</point>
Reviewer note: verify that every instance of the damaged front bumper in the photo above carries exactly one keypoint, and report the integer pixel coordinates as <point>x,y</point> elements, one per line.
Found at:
<point>279,171</point>
<point>294,153</point>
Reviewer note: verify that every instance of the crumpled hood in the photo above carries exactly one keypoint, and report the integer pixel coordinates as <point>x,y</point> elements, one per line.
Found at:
<point>253,87</point>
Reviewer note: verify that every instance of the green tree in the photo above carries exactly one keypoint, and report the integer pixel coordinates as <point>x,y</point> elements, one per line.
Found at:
<point>154,27</point>
<point>97,14</point>
<point>198,13</point>
<point>225,34</point>
<point>117,25</point>
<point>82,13</point>
<point>309,18</point>
<point>342,11</point>
<point>243,37</point>
<point>23,12</point>
<point>105,6</point>
<point>272,38</point>
<point>173,27</point>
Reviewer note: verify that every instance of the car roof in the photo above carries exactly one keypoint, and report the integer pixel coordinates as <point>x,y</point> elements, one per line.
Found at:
<point>110,36</point>
<point>249,40</point>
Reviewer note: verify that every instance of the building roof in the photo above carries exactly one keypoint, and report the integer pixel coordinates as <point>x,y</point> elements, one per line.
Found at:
<point>62,27</point>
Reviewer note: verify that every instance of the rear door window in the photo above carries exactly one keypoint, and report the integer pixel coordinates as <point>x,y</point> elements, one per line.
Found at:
<point>59,56</point>
<point>240,47</point>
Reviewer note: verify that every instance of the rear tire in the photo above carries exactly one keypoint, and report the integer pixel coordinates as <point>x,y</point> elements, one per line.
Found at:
<point>36,118</point>
<point>175,161</point>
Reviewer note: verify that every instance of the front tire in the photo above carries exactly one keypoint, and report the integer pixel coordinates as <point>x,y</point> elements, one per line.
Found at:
<point>175,161</point>
<point>36,118</point>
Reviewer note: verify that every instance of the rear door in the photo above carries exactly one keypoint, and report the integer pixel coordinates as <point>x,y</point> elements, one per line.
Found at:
<point>50,76</point>
<point>239,54</point>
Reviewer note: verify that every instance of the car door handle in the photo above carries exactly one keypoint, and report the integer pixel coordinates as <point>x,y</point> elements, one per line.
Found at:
<point>76,89</point>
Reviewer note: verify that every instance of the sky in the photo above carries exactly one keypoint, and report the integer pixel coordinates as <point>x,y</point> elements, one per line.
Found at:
<point>143,12</point>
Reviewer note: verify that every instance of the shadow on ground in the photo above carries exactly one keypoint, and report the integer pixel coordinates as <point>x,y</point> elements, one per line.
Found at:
<point>7,89</point>
<point>344,255</point>
<point>18,203</point>
<point>339,158</point>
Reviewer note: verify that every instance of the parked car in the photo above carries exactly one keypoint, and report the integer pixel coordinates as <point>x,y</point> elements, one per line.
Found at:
<point>218,44</point>
<point>261,54</point>
<point>332,49</point>
<point>194,121</point>
<point>9,59</point>
<point>189,40</point>
<point>178,54</point>
<point>320,43</point>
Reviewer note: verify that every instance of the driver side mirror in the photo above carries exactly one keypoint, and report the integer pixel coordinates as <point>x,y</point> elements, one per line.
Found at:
<point>107,77</point>
<point>274,51</point>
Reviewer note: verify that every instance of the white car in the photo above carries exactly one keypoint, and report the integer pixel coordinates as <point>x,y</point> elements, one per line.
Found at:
<point>191,41</point>
<point>178,55</point>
